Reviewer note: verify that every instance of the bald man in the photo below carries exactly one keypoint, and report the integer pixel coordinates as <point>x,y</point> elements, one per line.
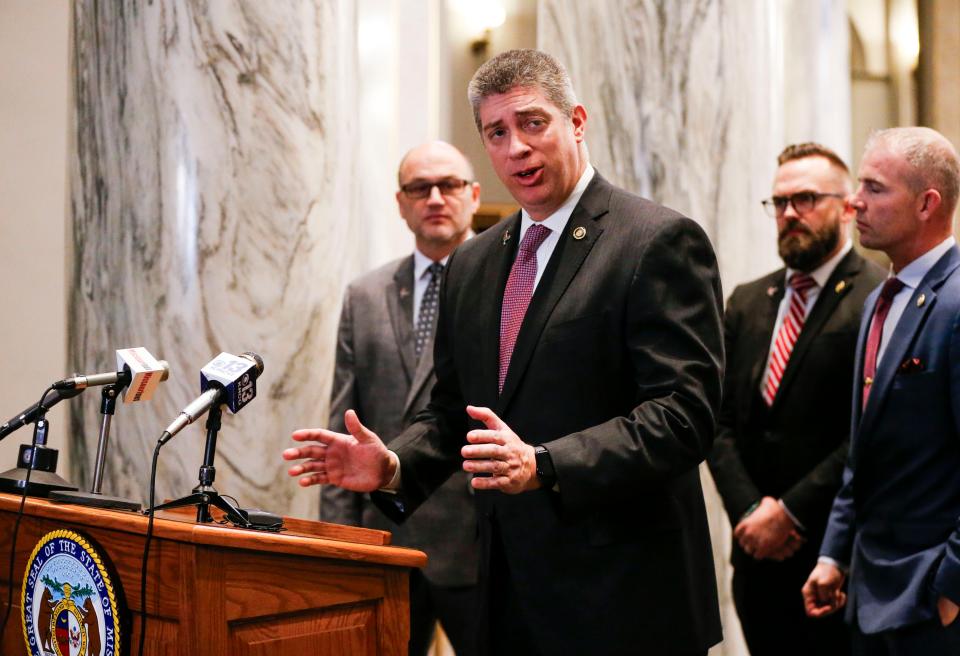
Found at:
<point>894,530</point>
<point>384,370</point>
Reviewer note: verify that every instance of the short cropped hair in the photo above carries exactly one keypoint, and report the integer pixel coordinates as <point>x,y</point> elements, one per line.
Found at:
<point>810,149</point>
<point>931,156</point>
<point>522,68</point>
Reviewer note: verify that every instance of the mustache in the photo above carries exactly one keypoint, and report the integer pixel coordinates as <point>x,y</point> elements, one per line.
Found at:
<point>796,225</point>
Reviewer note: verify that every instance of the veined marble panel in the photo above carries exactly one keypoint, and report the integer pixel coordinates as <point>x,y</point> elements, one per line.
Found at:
<point>213,209</point>
<point>680,102</point>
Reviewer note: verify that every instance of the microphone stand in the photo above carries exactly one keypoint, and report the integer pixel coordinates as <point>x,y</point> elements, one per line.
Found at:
<point>41,459</point>
<point>94,499</point>
<point>205,495</point>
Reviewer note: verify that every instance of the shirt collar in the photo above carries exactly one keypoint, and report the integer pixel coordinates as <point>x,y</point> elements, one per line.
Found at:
<point>421,262</point>
<point>823,272</point>
<point>558,220</point>
<point>913,273</point>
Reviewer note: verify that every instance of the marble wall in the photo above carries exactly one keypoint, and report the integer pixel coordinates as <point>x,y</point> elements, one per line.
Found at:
<point>689,103</point>
<point>212,209</point>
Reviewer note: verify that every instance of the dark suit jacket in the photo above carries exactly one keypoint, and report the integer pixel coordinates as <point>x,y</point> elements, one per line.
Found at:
<point>795,449</point>
<point>896,520</point>
<point>616,370</point>
<point>378,375</point>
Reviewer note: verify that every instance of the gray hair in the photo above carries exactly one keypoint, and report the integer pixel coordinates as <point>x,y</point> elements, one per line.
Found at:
<point>522,68</point>
<point>931,156</point>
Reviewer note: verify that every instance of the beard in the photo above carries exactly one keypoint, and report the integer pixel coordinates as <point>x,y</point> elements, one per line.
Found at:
<point>809,249</point>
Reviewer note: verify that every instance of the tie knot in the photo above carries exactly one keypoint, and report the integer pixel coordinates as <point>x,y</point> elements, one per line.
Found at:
<point>890,288</point>
<point>534,237</point>
<point>801,282</point>
<point>435,269</point>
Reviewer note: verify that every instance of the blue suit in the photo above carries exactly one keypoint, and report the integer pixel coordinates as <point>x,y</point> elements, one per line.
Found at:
<point>895,519</point>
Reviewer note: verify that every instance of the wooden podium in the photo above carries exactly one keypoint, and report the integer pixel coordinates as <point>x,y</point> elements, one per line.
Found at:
<point>315,589</point>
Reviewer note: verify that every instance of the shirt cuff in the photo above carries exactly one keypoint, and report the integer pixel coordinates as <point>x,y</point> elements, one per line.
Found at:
<point>793,518</point>
<point>393,485</point>
<point>827,560</point>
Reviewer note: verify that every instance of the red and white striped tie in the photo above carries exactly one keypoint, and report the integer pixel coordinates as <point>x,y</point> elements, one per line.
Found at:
<point>787,336</point>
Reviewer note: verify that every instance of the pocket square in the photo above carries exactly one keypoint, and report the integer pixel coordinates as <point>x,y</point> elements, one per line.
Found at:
<point>912,365</point>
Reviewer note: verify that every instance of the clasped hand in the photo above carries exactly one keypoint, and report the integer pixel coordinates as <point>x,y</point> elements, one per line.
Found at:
<point>768,532</point>
<point>359,461</point>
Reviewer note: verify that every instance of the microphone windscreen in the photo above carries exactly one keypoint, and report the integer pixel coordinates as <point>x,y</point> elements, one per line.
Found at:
<point>146,372</point>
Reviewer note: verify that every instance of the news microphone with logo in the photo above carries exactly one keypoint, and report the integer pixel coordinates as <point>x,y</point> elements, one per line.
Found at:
<point>229,380</point>
<point>137,371</point>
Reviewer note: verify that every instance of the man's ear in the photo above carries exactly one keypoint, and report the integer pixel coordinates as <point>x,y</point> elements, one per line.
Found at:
<point>579,119</point>
<point>928,202</point>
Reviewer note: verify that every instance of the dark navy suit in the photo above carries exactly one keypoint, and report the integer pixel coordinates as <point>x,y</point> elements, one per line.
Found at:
<point>895,520</point>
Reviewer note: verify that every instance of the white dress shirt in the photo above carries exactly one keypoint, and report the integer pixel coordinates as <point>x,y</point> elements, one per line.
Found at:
<point>556,222</point>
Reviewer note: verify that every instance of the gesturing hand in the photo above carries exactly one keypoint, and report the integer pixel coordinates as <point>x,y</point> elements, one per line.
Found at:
<point>358,461</point>
<point>498,451</point>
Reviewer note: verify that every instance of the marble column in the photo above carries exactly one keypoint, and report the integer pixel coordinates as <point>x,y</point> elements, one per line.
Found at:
<point>213,209</point>
<point>686,105</point>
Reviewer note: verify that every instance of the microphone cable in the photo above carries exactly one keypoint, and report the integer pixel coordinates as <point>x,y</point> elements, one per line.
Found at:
<point>16,525</point>
<point>146,542</point>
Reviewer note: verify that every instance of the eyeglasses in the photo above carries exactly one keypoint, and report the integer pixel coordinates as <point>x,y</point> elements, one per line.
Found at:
<point>802,202</point>
<point>423,188</point>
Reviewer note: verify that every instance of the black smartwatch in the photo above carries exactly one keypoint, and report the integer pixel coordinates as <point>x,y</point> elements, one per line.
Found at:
<point>546,474</point>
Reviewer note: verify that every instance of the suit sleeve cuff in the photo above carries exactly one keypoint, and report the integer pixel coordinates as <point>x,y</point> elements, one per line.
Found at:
<point>393,485</point>
<point>827,560</point>
<point>793,518</point>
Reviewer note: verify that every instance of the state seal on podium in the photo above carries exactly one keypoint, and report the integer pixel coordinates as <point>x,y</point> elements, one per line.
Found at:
<point>69,604</point>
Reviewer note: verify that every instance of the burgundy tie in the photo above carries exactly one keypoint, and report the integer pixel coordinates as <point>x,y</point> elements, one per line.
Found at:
<point>880,312</point>
<point>787,335</point>
<point>517,294</point>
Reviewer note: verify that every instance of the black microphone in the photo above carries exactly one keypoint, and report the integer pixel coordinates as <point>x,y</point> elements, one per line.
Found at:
<point>31,414</point>
<point>137,370</point>
<point>226,380</point>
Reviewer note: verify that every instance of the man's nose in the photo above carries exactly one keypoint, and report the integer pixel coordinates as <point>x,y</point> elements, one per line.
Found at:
<point>436,196</point>
<point>518,146</point>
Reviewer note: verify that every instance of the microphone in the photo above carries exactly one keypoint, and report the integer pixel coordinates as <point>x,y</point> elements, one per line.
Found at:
<point>226,380</point>
<point>31,414</point>
<point>137,371</point>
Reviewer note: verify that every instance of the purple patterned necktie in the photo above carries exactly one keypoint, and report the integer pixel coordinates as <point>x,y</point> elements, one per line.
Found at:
<point>517,294</point>
<point>890,289</point>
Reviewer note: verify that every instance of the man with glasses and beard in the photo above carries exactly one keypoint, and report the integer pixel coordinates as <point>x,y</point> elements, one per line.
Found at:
<point>785,420</point>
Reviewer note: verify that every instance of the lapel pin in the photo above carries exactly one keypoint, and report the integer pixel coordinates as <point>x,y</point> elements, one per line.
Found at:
<point>840,286</point>
<point>579,233</point>
<point>771,290</point>
<point>506,237</point>
<point>404,292</point>
<point>921,299</point>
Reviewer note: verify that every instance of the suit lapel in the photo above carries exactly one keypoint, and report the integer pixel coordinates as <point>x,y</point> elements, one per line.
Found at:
<point>400,308</point>
<point>422,374</point>
<point>565,261</point>
<point>493,280</point>
<point>828,299</point>
<point>904,334</point>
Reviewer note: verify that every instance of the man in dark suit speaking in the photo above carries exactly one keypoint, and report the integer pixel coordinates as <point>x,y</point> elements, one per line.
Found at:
<point>893,529</point>
<point>578,360</point>
<point>782,436</point>
<point>384,371</point>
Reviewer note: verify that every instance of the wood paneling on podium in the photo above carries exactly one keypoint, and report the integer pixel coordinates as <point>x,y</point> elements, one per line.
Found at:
<point>315,589</point>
